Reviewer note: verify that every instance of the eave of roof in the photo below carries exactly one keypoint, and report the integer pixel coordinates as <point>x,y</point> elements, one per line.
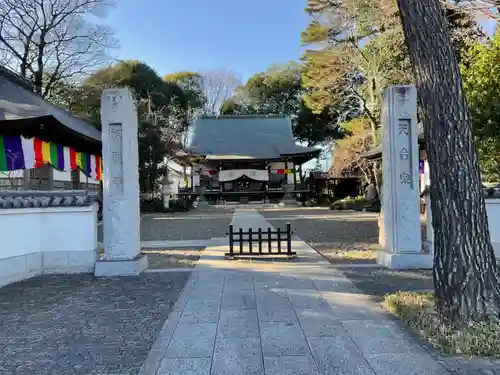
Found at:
<point>25,112</point>
<point>376,153</point>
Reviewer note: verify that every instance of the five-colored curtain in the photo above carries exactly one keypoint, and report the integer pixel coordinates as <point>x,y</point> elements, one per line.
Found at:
<point>17,152</point>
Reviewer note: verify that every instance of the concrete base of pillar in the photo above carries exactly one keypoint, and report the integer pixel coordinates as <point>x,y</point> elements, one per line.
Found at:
<point>132,267</point>
<point>405,261</point>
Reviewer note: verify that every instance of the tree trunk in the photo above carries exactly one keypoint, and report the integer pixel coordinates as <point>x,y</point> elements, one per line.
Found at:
<point>466,281</point>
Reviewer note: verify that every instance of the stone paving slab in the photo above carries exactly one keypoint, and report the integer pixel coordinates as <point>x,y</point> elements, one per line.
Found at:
<point>192,366</point>
<point>201,311</point>
<point>290,365</point>
<point>283,339</point>
<point>379,338</point>
<point>334,353</point>
<point>281,318</point>
<point>192,341</point>
<point>237,356</point>
<point>239,300</point>
<point>405,364</point>
<point>238,323</point>
<point>316,323</point>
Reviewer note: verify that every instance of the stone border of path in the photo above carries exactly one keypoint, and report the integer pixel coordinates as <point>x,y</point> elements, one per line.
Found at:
<point>359,336</point>
<point>216,241</point>
<point>155,356</point>
<point>151,245</point>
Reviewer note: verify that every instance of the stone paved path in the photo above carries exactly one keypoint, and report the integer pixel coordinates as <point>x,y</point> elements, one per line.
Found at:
<point>298,317</point>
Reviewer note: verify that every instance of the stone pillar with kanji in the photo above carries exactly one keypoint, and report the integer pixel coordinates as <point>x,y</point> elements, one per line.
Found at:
<point>400,190</point>
<point>121,212</point>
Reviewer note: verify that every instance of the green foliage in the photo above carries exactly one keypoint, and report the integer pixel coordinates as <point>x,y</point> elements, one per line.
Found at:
<point>192,85</point>
<point>389,62</point>
<point>351,200</point>
<point>357,49</point>
<point>341,69</point>
<point>348,157</point>
<point>481,81</point>
<point>162,111</point>
<point>141,78</point>
<point>279,91</point>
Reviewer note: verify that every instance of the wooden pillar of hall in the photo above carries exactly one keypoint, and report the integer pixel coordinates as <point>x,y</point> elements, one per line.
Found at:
<point>294,177</point>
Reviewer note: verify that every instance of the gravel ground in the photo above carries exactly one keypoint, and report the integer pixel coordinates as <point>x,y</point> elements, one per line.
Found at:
<point>323,228</point>
<point>198,224</point>
<point>79,324</point>
<point>173,258</point>
<point>331,232</point>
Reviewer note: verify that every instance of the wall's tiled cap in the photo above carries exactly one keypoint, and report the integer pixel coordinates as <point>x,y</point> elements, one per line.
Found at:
<point>34,198</point>
<point>489,192</point>
<point>492,192</point>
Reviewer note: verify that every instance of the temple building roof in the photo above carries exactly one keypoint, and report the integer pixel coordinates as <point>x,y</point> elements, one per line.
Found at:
<point>247,137</point>
<point>24,112</point>
<point>376,153</point>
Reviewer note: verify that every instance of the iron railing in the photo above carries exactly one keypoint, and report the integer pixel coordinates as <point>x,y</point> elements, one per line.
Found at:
<point>260,238</point>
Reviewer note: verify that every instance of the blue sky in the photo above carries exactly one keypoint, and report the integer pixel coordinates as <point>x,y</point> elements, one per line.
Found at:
<point>242,36</point>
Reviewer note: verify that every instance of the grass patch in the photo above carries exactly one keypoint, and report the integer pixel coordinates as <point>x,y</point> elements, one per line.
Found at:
<point>357,255</point>
<point>351,200</point>
<point>419,312</point>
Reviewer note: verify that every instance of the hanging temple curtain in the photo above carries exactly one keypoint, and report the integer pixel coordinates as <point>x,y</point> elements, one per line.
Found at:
<point>17,152</point>
<point>234,174</point>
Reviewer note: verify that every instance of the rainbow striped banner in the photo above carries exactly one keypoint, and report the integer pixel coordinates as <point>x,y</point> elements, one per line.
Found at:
<point>17,152</point>
<point>282,171</point>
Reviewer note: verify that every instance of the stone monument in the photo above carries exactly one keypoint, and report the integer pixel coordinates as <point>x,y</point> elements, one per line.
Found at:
<point>400,193</point>
<point>121,186</point>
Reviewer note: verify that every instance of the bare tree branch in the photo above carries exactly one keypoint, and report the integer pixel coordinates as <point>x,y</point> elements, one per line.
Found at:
<point>48,41</point>
<point>218,86</point>
<point>479,8</point>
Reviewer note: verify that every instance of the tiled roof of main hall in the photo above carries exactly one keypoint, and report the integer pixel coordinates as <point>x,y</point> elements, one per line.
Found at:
<point>245,137</point>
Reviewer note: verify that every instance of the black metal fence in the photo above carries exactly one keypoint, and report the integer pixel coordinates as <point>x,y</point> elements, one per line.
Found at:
<point>260,242</point>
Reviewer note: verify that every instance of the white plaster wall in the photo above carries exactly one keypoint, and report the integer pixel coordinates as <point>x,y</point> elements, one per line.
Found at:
<point>173,187</point>
<point>47,240</point>
<point>277,165</point>
<point>493,211</point>
<point>66,176</point>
